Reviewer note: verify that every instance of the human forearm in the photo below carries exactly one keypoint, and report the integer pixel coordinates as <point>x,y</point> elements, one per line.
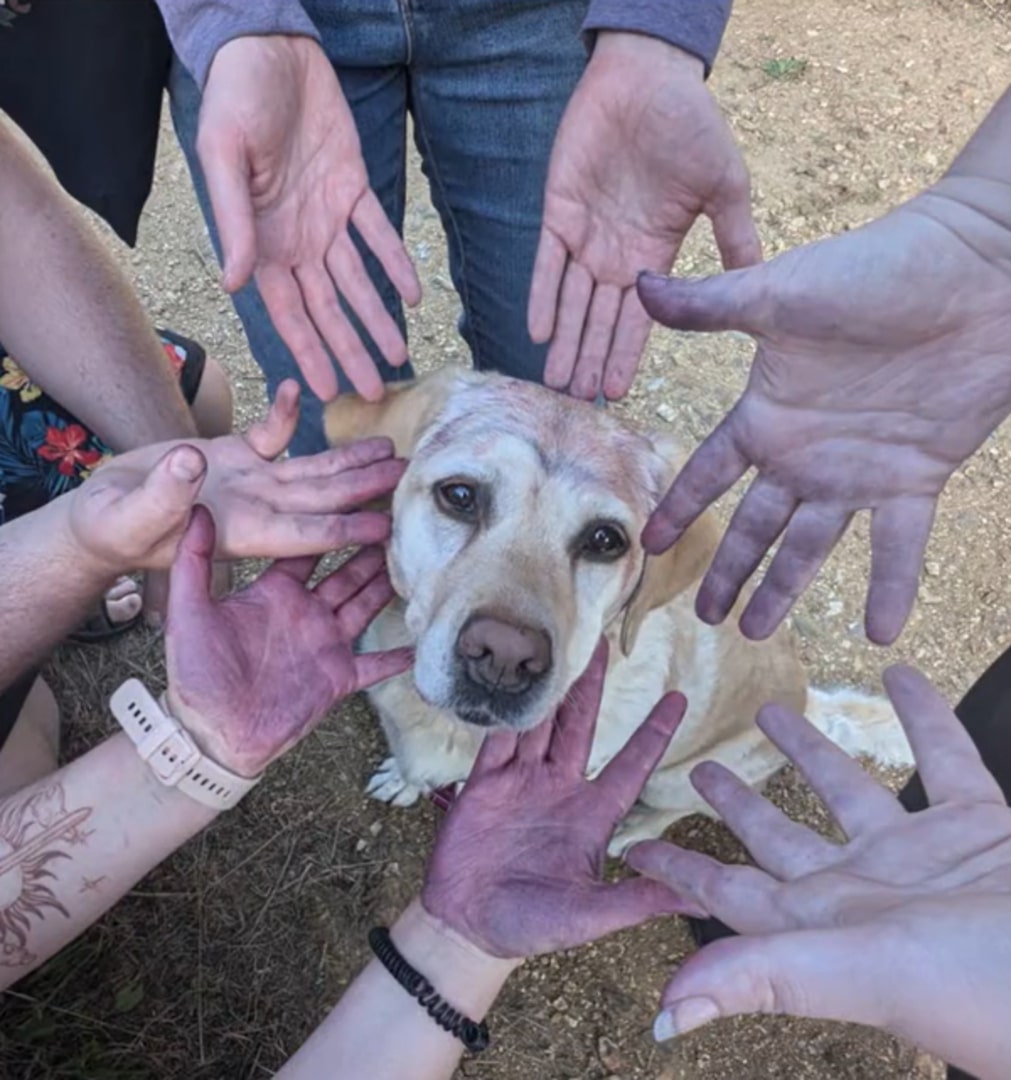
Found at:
<point>198,28</point>
<point>48,585</point>
<point>70,317</point>
<point>72,844</point>
<point>355,1039</point>
<point>696,26</point>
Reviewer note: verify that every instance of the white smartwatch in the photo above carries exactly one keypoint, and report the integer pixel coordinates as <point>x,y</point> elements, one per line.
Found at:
<point>170,751</point>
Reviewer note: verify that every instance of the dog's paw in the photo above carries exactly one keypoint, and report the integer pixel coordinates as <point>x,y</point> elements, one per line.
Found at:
<point>388,785</point>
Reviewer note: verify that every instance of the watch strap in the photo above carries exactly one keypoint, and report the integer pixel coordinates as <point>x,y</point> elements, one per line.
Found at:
<point>170,752</point>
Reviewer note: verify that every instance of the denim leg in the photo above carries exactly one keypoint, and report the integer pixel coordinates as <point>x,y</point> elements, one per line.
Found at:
<point>490,80</point>
<point>376,88</point>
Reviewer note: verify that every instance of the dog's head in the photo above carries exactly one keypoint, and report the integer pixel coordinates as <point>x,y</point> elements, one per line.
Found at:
<point>516,537</point>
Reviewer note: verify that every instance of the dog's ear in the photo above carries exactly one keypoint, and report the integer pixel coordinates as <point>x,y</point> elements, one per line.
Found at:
<point>404,413</point>
<point>668,575</point>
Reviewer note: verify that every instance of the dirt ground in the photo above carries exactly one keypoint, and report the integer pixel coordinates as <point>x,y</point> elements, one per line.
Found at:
<point>219,964</point>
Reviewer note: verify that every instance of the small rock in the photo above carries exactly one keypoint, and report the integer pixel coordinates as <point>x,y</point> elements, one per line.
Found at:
<point>933,569</point>
<point>665,412</point>
<point>376,828</point>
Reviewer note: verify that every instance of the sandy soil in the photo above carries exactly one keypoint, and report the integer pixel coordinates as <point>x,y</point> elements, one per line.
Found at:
<point>218,965</point>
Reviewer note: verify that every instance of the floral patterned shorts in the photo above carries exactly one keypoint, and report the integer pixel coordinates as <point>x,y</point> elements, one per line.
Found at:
<point>44,451</point>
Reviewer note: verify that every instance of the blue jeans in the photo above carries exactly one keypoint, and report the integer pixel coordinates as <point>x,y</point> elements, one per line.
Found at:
<point>485,82</point>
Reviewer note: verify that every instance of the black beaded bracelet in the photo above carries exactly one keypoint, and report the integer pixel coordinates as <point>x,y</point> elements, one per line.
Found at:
<point>473,1035</point>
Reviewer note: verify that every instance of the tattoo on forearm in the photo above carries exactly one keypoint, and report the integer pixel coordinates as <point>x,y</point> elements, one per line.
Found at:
<point>33,834</point>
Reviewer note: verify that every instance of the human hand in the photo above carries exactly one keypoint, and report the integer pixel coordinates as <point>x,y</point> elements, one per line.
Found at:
<point>129,516</point>
<point>252,674</point>
<point>882,364</point>
<point>906,925</point>
<point>642,150</point>
<point>517,864</point>
<point>284,170</point>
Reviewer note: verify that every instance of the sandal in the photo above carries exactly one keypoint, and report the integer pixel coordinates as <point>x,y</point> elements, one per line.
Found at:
<point>100,626</point>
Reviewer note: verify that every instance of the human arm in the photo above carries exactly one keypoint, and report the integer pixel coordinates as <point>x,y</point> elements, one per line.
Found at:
<point>70,316</point>
<point>130,515</point>
<point>905,925</point>
<point>882,365</point>
<point>248,677</point>
<point>641,152</point>
<point>516,871</point>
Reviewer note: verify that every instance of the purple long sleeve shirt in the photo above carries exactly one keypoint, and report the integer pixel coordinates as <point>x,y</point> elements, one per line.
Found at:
<point>199,28</point>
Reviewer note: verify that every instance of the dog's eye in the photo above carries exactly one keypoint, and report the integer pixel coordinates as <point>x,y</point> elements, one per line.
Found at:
<point>457,498</point>
<point>603,541</point>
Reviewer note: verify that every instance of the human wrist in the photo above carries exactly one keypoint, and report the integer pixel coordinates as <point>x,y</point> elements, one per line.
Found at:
<point>462,973</point>
<point>208,734</point>
<point>630,47</point>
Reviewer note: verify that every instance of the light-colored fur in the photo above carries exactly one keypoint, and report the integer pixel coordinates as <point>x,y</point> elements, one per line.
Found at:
<point>550,465</point>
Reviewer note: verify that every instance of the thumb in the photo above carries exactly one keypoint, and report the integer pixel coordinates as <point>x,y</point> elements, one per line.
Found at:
<point>735,233</point>
<point>160,506</point>
<point>226,172</point>
<point>626,903</point>
<point>190,578</point>
<point>270,437</point>
<point>823,974</point>
<point>727,301</point>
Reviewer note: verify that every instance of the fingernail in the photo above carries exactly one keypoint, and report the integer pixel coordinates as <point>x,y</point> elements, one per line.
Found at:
<point>186,464</point>
<point>684,1016</point>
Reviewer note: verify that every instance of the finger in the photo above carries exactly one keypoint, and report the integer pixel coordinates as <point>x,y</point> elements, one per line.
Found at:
<point>339,459</point>
<point>270,437</point>
<point>192,568</point>
<point>946,757</point>
<point>610,908</point>
<point>226,173</point>
<point>288,536</point>
<point>729,301</point>
<point>713,469</point>
<point>532,746</point>
<point>285,304</point>
<point>377,667</point>
<point>846,975</point>
<point>383,240</point>
<point>856,800</point>
<point>497,751</point>
<point>630,337</point>
<point>299,570</point>
<point>779,845</point>
<point>576,291</point>
<point>810,538</point>
<point>549,266</point>
<point>355,615</point>
<point>900,530</point>
<point>760,517</point>
<point>343,491</point>
<point>576,720</point>
<point>348,580</point>
<point>743,897</point>
<point>348,349</point>
<point>148,515</point>
<point>598,333</point>
<point>621,781</point>
<point>348,271</point>
<point>734,230</point>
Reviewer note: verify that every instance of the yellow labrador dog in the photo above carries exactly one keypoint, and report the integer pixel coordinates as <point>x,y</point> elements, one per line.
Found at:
<point>515,546</point>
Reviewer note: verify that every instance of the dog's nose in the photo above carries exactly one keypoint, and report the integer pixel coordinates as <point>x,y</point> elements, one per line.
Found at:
<point>501,656</point>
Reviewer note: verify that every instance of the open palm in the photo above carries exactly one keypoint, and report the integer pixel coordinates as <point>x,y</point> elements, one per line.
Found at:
<point>517,867</point>
<point>253,673</point>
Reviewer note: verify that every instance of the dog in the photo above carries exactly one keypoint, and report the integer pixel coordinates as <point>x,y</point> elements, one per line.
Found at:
<point>515,546</point>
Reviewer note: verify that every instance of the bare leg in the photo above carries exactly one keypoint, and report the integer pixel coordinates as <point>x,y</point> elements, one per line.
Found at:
<point>33,746</point>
